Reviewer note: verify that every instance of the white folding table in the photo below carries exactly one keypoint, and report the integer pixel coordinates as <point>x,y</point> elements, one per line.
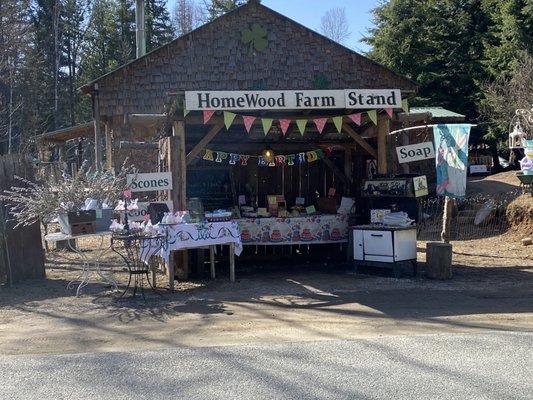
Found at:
<point>91,261</point>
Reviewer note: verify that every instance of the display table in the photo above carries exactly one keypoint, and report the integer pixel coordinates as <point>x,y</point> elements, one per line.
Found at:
<point>199,235</point>
<point>315,229</point>
<point>383,245</point>
<point>91,263</point>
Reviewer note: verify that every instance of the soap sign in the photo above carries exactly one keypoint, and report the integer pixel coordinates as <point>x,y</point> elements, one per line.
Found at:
<point>415,152</point>
<point>151,182</point>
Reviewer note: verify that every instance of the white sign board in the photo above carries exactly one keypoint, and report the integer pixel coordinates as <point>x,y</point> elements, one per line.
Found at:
<point>292,99</point>
<point>151,182</point>
<point>478,169</point>
<point>142,211</point>
<point>415,152</point>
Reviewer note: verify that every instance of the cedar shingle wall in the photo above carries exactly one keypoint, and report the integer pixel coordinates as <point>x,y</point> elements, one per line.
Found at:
<point>214,58</point>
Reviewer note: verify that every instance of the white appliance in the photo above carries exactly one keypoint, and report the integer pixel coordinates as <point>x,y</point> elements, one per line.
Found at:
<point>384,244</point>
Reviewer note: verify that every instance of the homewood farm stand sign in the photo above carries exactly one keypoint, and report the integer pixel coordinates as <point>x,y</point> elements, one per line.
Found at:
<point>292,99</point>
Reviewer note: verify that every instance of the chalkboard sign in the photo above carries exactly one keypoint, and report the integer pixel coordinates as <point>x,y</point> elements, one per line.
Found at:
<point>212,185</point>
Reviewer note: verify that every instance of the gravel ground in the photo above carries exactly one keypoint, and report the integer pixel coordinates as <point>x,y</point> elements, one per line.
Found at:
<point>492,288</point>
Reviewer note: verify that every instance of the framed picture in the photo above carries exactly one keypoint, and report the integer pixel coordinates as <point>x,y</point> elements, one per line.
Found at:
<point>420,184</point>
<point>388,187</point>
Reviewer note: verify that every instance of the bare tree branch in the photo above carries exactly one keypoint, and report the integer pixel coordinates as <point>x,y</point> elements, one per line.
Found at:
<point>334,25</point>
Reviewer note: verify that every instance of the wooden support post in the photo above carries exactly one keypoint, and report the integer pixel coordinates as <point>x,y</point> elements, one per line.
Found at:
<point>97,130</point>
<point>405,142</point>
<point>212,261</point>
<point>62,154</point>
<point>348,168</point>
<point>178,169</point>
<point>232,262</point>
<point>383,131</point>
<point>108,148</point>
<point>446,219</point>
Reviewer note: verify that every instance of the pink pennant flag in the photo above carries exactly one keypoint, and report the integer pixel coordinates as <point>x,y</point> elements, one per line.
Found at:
<point>284,124</point>
<point>320,123</point>
<point>207,115</point>
<point>248,122</point>
<point>389,111</point>
<point>356,118</point>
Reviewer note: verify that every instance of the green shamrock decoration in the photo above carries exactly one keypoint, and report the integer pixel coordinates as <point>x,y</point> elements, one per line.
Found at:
<point>256,37</point>
<point>321,82</point>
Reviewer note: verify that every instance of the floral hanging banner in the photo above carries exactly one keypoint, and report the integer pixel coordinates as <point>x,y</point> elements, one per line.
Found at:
<point>223,157</point>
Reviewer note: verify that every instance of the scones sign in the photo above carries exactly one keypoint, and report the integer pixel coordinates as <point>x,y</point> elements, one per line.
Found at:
<point>151,182</point>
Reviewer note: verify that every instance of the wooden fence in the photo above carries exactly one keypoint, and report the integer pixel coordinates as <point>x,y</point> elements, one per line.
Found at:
<point>21,252</point>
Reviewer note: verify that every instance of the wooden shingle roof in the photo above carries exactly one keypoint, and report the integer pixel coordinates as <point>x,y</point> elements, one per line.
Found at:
<point>214,57</point>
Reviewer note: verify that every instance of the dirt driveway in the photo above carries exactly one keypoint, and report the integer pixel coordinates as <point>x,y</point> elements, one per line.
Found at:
<point>492,290</point>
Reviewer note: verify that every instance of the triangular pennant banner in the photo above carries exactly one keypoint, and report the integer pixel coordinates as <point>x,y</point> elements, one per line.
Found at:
<point>301,125</point>
<point>228,118</point>
<point>284,125</point>
<point>405,105</point>
<point>248,122</point>
<point>185,112</point>
<point>207,115</point>
<point>373,115</point>
<point>267,124</point>
<point>389,112</point>
<point>338,123</point>
<point>320,123</point>
<point>356,118</point>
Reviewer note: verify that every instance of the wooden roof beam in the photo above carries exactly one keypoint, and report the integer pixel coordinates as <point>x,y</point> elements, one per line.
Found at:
<point>148,120</point>
<point>337,172</point>
<point>204,142</point>
<point>362,142</point>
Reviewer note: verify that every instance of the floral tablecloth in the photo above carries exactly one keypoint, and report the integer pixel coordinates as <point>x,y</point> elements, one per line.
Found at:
<point>203,234</point>
<point>316,229</point>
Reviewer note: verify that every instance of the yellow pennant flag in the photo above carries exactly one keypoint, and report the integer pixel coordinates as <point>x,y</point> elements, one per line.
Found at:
<point>373,115</point>
<point>338,123</point>
<point>228,118</point>
<point>405,105</point>
<point>301,125</point>
<point>267,124</point>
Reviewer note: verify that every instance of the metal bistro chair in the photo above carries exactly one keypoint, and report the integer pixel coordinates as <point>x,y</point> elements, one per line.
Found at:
<point>137,252</point>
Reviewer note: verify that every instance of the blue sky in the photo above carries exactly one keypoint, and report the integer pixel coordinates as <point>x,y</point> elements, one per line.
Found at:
<point>309,13</point>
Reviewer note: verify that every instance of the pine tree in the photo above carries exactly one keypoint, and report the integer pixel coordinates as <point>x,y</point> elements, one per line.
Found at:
<point>511,34</point>
<point>15,40</point>
<point>46,19</point>
<point>125,21</point>
<point>216,8</point>
<point>74,26</point>
<point>437,43</point>
<point>102,41</point>
<point>159,29</point>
